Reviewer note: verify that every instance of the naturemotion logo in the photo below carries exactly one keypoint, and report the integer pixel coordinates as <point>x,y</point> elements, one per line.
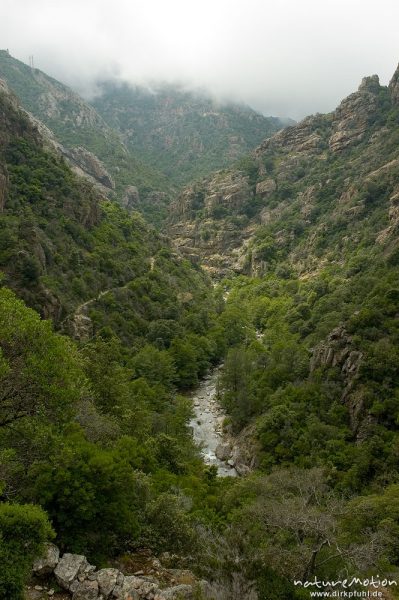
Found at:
<point>346,588</point>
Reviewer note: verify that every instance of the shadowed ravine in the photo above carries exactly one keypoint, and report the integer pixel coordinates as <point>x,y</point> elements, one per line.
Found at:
<point>207,423</point>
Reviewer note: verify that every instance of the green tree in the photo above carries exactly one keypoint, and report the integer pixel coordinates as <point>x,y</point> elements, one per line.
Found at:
<point>40,371</point>
<point>93,497</point>
<point>23,531</point>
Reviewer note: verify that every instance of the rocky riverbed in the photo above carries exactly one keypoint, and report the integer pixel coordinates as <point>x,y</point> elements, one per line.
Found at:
<point>207,426</point>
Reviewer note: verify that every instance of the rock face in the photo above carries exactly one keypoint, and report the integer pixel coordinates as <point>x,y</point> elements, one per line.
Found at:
<point>131,198</point>
<point>75,575</point>
<point>338,351</point>
<point>394,87</point>
<point>266,187</point>
<point>91,165</point>
<point>300,139</point>
<point>217,219</point>
<point>215,236</point>
<point>352,117</point>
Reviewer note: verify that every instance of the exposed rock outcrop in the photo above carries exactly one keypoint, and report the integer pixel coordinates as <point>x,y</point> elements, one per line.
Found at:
<point>352,118</point>
<point>301,138</point>
<point>394,87</point>
<point>215,239</point>
<point>217,220</point>
<point>82,581</point>
<point>89,164</point>
<point>266,187</point>
<point>338,351</point>
<point>131,198</point>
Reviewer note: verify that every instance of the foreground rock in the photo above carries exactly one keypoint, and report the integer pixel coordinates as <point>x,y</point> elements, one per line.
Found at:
<point>71,570</point>
<point>48,562</point>
<point>82,581</point>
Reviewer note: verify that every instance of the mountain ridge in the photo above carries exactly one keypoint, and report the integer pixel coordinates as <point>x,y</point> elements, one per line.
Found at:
<point>184,133</point>
<point>266,183</point>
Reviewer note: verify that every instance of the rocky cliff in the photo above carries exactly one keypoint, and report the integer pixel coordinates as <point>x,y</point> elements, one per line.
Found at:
<point>277,193</point>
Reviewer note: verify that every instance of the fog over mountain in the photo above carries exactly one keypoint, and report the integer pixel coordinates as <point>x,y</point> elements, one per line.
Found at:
<point>284,58</point>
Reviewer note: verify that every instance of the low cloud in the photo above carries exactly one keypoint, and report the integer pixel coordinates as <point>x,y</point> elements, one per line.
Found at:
<point>283,57</point>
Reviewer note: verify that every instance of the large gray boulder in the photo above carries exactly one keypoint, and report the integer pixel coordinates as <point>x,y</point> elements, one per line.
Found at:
<point>72,568</point>
<point>48,562</point>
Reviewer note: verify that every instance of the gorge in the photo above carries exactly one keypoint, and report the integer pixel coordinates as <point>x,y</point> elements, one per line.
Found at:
<point>252,311</point>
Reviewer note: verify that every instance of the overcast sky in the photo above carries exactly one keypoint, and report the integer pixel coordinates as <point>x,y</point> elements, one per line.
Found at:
<point>283,57</point>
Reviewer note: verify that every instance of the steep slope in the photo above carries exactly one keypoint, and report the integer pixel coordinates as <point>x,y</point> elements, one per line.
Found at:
<point>64,247</point>
<point>295,185</point>
<point>184,134</point>
<point>88,143</point>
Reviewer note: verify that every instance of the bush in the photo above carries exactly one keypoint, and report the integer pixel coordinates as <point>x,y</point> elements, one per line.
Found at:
<point>93,496</point>
<point>23,531</point>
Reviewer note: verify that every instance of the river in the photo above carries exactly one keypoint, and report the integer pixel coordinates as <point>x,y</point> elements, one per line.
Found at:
<point>207,423</point>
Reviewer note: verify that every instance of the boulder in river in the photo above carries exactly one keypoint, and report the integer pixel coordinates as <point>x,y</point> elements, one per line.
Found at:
<point>223,451</point>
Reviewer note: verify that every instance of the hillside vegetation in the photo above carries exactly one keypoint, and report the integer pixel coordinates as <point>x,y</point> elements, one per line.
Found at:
<point>77,125</point>
<point>183,134</point>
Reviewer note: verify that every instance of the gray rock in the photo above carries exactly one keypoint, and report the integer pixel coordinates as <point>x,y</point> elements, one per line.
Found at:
<point>48,562</point>
<point>127,588</point>
<point>86,590</point>
<point>72,568</point>
<point>107,580</point>
<point>91,165</point>
<point>223,451</point>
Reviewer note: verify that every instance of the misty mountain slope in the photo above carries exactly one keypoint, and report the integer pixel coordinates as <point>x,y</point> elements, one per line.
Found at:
<point>90,145</point>
<point>298,192</point>
<point>62,243</point>
<point>183,134</point>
